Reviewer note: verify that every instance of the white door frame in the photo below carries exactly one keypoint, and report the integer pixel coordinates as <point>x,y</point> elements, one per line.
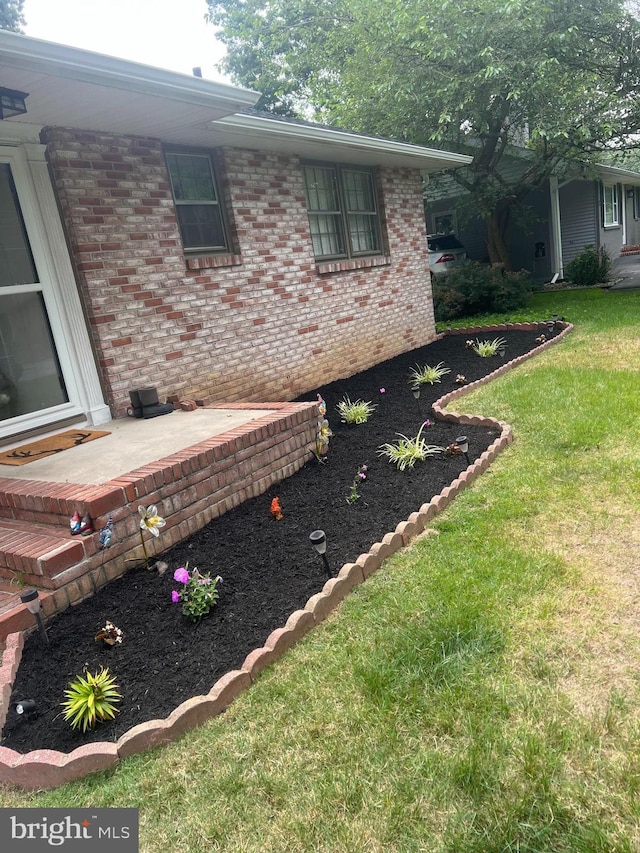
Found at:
<point>49,248</point>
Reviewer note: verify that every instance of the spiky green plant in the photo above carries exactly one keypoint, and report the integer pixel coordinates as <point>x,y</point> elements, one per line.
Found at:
<point>91,699</point>
<point>427,375</point>
<point>487,349</point>
<point>407,451</point>
<point>358,412</point>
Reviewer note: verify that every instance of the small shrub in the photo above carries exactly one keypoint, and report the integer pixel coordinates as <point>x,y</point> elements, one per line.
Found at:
<point>198,593</point>
<point>91,700</point>
<point>474,288</point>
<point>592,266</point>
<point>407,451</point>
<point>487,349</point>
<point>428,375</point>
<point>355,413</point>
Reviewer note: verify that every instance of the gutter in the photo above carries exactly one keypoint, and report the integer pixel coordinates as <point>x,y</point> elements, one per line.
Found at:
<point>20,51</point>
<point>310,133</point>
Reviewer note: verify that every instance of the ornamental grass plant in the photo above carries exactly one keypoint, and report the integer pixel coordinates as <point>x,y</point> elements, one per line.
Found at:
<point>479,693</point>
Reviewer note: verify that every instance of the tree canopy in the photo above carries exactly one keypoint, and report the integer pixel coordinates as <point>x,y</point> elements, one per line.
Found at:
<point>556,79</point>
<point>11,17</point>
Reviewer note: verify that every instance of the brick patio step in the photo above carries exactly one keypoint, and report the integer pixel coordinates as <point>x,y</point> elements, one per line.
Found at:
<point>33,554</point>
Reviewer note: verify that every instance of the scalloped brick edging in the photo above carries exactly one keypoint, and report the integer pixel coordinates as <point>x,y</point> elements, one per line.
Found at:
<point>46,768</point>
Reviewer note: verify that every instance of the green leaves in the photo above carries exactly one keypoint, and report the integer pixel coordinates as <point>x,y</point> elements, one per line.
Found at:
<point>558,76</point>
<point>90,700</point>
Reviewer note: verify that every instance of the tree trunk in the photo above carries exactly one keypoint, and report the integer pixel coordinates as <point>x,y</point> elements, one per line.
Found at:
<point>496,223</point>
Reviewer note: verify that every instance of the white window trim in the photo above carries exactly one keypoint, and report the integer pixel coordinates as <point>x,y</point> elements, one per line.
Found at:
<point>48,245</point>
<point>614,202</point>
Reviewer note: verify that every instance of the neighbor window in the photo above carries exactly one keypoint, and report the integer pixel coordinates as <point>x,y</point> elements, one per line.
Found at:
<point>636,202</point>
<point>197,199</point>
<point>342,209</point>
<point>610,205</point>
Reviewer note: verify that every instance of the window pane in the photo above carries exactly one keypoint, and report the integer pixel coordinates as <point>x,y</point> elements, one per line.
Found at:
<point>16,262</point>
<point>30,375</point>
<point>321,188</point>
<point>201,226</point>
<point>610,198</point>
<point>363,233</point>
<point>191,177</point>
<point>358,189</point>
<point>326,234</point>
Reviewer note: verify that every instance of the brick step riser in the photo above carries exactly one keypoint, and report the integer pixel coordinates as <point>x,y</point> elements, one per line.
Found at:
<point>189,488</point>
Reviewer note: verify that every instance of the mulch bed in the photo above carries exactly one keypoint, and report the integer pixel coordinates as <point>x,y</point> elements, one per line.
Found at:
<point>269,568</point>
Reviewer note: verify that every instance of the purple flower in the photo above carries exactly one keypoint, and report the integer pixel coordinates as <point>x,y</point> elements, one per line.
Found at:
<point>427,422</point>
<point>383,390</point>
<point>175,596</point>
<point>362,475</point>
<point>181,575</point>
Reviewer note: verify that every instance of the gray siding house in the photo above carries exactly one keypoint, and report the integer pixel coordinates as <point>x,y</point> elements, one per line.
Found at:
<point>564,216</point>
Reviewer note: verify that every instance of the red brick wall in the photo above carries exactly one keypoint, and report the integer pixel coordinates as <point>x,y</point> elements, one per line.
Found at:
<point>265,323</point>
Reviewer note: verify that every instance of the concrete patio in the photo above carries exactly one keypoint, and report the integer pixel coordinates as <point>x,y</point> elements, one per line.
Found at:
<point>193,465</point>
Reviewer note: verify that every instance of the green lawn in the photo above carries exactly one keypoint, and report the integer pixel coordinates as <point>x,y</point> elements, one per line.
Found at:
<point>478,694</point>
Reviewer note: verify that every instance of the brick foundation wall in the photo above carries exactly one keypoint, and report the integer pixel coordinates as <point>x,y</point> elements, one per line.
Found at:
<point>262,323</point>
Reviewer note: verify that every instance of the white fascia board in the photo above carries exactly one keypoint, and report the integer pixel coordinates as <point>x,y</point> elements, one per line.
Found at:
<point>261,126</point>
<point>615,173</point>
<point>59,60</point>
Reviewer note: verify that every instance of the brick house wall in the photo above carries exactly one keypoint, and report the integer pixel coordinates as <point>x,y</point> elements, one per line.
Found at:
<point>263,323</point>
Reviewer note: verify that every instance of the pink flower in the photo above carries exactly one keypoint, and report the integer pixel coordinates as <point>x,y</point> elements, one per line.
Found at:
<point>175,596</point>
<point>181,575</point>
<point>383,390</point>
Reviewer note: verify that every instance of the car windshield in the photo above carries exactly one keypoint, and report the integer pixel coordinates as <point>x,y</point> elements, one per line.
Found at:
<point>443,242</point>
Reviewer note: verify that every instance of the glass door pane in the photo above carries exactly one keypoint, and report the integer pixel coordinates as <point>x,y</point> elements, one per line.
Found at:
<point>30,375</point>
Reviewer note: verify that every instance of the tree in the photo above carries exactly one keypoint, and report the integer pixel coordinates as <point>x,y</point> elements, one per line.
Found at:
<point>555,80</point>
<point>11,17</point>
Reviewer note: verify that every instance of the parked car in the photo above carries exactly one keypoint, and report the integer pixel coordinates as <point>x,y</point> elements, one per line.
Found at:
<point>445,252</point>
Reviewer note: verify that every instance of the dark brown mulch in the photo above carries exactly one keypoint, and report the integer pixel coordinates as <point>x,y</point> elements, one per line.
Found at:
<point>269,568</point>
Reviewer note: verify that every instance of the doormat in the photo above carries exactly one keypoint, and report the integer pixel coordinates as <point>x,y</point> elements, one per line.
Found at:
<point>48,446</point>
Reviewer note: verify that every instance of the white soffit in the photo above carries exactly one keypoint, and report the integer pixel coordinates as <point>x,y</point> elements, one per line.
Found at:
<point>319,142</point>
<point>69,87</point>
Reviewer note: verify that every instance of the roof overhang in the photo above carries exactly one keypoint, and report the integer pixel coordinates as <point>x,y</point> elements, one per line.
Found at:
<point>614,174</point>
<point>69,87</point>
<point>320,142</point>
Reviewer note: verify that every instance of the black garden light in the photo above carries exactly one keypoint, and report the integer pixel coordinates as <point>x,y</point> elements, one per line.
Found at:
<point>31,598</point>
<point>415,390</point>
<point>551,327</point>
<point>463,443</point>
<point>26,707</point>
<point>319,542</point>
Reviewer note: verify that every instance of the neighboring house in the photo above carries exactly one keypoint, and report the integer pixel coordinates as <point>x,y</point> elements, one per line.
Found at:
<point>156,232</point>
<point>563,217</point>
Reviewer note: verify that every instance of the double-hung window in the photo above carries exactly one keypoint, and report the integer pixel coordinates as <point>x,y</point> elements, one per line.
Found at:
<point>197,199</point>
<point>610,205</point>
<point>343,211</point>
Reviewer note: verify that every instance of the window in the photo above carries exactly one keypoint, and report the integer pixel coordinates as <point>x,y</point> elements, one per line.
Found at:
<point>636,202</point>
<point>197,201</point>
<point>610,205</point>
<point>342,209</point>
<point>444,223</point>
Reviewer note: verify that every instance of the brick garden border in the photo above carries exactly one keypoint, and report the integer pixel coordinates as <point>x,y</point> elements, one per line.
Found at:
<point>45,768</point>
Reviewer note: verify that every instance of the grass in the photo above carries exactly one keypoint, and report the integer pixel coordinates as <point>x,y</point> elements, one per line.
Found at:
<point>479,693</point>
